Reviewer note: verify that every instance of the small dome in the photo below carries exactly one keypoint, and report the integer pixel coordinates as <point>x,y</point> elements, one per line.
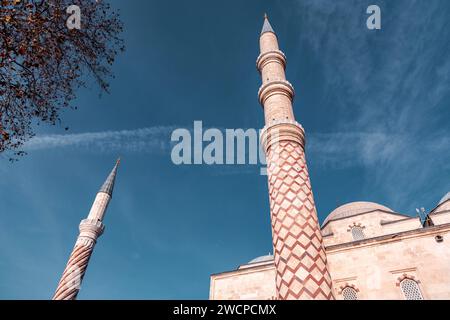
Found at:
<point>354,208</point>
<point>262,259</point>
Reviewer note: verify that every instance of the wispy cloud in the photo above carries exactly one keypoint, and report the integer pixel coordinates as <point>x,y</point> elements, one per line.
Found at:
<point>388,90</point>
<point>349,149</point>
<point>392,79</point>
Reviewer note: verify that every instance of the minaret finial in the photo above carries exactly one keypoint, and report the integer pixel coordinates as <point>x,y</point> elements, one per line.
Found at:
<point>266,17</point>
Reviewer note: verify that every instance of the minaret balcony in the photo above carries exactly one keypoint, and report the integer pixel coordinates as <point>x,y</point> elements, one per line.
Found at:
<point>283,87</point>
<point>282,130</point>
<point>271,56</point>
<point>91,228</point>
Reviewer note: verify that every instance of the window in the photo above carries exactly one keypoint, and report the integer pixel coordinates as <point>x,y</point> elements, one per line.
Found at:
<point>411,290</point>
<point>358,233</point>
<point>349,293</point>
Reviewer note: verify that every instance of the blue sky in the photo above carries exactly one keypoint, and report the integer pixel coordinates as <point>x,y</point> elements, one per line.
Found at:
<point>375,106</point>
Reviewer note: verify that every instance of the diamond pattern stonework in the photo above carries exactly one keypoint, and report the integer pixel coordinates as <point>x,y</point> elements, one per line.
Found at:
<point>300,257</point>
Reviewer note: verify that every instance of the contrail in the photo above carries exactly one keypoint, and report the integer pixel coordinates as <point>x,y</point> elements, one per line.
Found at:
<point>144,140</point>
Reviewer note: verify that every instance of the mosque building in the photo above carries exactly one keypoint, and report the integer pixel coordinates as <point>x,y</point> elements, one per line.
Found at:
<point>373,253</point>
<point>362,250</point>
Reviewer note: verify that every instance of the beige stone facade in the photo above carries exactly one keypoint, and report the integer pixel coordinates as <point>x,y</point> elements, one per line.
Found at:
<point>373,253</point>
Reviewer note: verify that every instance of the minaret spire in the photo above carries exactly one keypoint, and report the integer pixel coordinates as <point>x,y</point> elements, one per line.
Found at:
<point>90,230</point>
<point>266,26</point>
<point>300,258</point>
<point>108,186</point>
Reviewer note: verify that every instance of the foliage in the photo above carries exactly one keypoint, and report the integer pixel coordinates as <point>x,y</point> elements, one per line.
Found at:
<point>43,62</point>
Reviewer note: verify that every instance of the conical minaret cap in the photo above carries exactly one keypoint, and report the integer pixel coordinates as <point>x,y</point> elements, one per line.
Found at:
<point>266,26</point>
<point>108,186</point>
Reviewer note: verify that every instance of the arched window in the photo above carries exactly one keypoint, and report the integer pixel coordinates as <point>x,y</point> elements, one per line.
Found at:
<point>349,293</point>
<point>411,290</point>
<point>358,233</point>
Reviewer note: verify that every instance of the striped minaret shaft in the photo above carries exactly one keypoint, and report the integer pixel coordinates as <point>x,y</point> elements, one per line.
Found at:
<point>90,230</point>
<point>300,259</point>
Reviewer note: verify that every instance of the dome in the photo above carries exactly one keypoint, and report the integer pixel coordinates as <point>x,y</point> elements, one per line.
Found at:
<point>269,257</point>
<point>354,208</point>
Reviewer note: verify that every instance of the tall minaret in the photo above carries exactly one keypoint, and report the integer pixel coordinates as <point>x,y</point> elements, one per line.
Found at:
<point>300,259</point>
<point>90,230</point>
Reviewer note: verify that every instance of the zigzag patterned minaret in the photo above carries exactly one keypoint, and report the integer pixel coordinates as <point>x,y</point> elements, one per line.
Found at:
<point>90,230</point>
<point>300,259</point>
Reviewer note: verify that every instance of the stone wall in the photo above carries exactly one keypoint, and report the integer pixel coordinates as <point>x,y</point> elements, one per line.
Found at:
<point>373,266</point>
<point>251,283</point>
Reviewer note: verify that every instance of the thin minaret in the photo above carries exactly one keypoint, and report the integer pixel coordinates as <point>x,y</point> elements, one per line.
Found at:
<point>90,230</point>
<point>300,259</point>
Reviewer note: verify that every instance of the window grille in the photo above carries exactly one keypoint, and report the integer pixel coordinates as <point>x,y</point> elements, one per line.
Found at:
<point>358,233</point>
<point>411,290</point>
<point>349,294</point>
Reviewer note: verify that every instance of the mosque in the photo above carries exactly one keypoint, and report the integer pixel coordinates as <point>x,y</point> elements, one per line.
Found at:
<point>363,250</point>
